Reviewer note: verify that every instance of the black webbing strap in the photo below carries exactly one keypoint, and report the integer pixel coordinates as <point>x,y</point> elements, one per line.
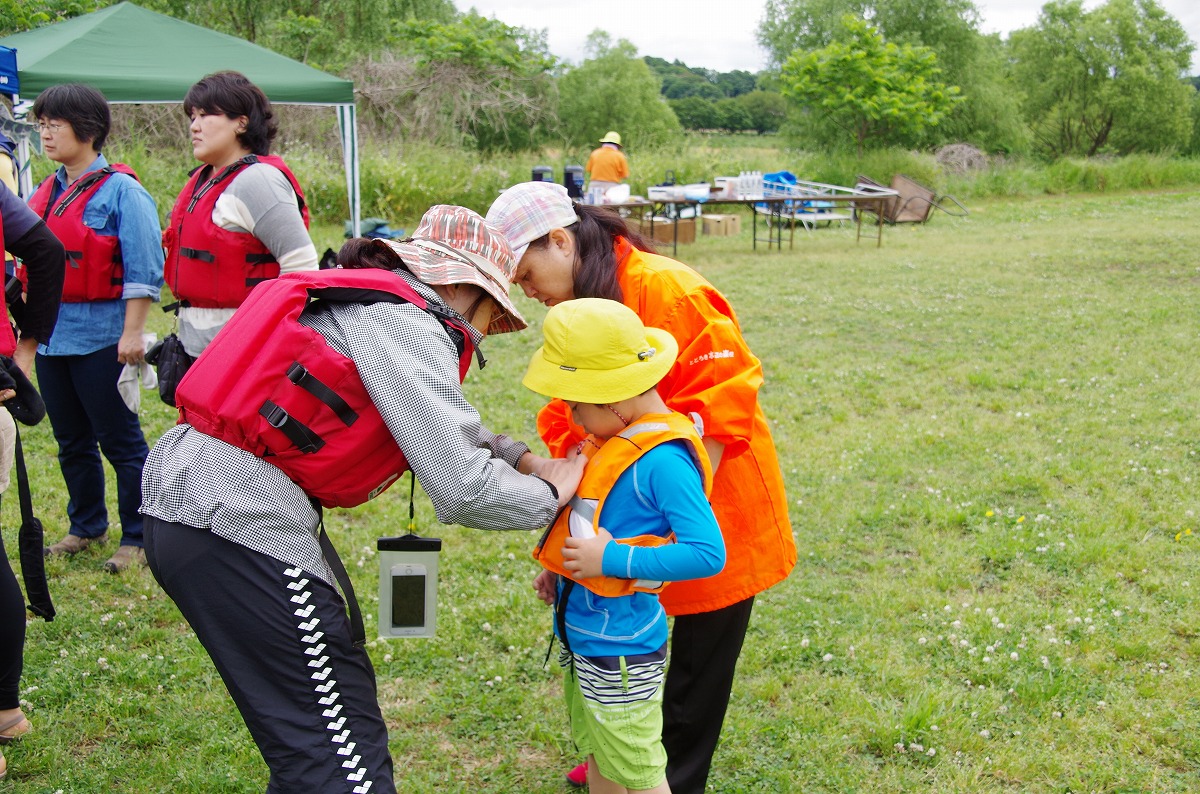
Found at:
<point>560,620</point>
<point>196,253</point>
<point>300,376</point>
<point>260,259</point>
<point>358,632</point>
<point>74,258</point>
<point>79,188</point>
<point>30,546</point>
<point>305,439</point>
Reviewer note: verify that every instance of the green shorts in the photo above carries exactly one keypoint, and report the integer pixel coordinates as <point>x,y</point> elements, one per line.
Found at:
<point>615,703</point>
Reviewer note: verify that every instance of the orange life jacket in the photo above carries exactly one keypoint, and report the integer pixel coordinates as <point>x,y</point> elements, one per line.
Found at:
<point>581,517</point>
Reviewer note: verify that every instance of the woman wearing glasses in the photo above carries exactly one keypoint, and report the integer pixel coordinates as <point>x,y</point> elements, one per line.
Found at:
<point>108,224</point>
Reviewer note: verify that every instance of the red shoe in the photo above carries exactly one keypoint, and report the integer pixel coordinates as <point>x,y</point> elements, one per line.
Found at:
<point>577,777</point>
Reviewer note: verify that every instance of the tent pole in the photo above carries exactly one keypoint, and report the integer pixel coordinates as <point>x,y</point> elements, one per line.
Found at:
<point>348,123</point>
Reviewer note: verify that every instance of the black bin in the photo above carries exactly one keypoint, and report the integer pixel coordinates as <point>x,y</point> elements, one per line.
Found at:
<point>573,180</point>
<point>543,173</point>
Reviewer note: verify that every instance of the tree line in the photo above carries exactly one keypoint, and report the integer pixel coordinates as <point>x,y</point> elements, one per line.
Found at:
<point>841,74</point>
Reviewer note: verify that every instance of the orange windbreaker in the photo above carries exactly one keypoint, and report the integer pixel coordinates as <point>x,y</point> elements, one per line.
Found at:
<point>717,377</point>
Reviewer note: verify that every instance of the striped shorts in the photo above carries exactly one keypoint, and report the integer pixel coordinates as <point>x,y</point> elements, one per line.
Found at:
<point>615,704</point>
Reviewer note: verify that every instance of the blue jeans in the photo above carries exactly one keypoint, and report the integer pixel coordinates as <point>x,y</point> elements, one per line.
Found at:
<point>89,417</point>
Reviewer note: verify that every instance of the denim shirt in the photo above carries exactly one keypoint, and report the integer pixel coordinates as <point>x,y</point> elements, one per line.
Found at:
<point>121,207</point>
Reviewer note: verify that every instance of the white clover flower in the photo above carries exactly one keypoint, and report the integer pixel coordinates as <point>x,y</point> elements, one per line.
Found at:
<point>931,752</point>
<point>985,733</point>
<point>921,641</point>
<point>1013,656</point>
<point>827,657</point>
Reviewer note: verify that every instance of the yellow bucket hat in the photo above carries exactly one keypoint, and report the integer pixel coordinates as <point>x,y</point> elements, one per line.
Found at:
<point>612,136</point>
<point>597,351</point>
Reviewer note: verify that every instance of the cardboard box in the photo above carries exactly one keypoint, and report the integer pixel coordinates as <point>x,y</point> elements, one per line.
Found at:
<point>665,230</point>
<point>722,225</point>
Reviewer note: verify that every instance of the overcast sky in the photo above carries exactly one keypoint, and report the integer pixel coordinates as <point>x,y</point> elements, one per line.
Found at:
<point>720,34</point>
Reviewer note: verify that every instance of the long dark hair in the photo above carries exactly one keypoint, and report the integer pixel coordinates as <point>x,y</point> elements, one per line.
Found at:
<point>596,235</point>
<point>232,95</point>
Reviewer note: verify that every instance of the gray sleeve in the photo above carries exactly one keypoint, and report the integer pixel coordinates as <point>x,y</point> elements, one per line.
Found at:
<point>410,368</point>
<point>264,204</point>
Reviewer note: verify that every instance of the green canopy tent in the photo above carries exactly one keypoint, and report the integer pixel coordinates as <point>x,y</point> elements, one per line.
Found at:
<point>135,55</point>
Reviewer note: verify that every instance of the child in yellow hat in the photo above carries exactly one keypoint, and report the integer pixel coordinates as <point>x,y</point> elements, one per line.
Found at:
<point>639,520</point>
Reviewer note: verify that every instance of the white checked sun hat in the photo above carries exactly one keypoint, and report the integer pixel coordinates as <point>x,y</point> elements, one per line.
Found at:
<point>529,210</point>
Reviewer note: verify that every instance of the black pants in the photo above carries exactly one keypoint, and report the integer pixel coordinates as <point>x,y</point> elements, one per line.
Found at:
<point>704,654</point>
<point>12,634</point>
<point>280,639</point>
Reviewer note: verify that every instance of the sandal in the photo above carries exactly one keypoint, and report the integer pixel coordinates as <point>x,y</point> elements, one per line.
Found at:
<point>14,729</point>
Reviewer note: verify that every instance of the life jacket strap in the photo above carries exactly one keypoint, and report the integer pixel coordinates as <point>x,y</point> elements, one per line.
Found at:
<point>301,436</point>
<point>300,376</point>
<point>197,254</point>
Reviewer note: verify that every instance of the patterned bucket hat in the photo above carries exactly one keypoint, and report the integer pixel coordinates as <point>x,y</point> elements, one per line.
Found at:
<point>455,245</point>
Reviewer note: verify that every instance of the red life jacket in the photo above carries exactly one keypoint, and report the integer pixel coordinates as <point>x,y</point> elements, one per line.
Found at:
<point>8,340</point>
<point>275,388</point>
<point>208,266</point>
<point>93,265</point>
<point>581,517</point>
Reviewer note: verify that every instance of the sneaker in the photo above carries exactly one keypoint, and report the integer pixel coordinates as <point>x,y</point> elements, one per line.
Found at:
<point>72,544</point>
<point>577,777</point>
<point>126,557</point>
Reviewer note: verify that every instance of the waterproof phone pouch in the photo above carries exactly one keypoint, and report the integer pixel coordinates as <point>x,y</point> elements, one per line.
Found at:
<point>408,567</point>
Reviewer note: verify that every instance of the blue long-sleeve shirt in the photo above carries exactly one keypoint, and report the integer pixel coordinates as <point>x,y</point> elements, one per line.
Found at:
<point>661,492</point>
<point>120,207</point>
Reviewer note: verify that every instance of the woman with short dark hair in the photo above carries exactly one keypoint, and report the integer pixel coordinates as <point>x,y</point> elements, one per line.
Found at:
<point>108,224</point>
<point>241,218</point>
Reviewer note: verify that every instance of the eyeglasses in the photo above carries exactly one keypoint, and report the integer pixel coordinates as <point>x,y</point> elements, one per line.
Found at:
<point>52,127</point>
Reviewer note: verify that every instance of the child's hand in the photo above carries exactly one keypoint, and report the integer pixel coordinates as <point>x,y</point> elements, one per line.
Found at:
<point>584,557</point>
<point>543,585</point>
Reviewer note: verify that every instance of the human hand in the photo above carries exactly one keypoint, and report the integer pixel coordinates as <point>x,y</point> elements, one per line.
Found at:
<point>584,557</point>
<point>131,349</point>
<point>563,473</point>
<point>543,585</point>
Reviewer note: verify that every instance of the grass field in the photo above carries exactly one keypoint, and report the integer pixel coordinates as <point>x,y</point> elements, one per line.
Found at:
<point>988,431</point>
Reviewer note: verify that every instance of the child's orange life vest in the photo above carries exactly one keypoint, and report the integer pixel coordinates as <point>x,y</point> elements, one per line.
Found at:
<point>581,516</point>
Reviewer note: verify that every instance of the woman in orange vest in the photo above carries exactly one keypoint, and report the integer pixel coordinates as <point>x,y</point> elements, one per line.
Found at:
<point>567,250</point>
